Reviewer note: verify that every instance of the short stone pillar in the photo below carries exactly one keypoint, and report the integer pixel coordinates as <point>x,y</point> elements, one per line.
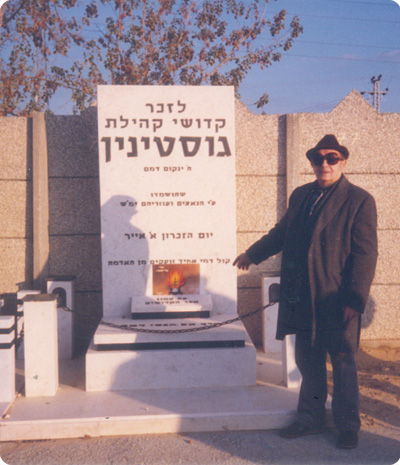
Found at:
<point>63,287</point>
<point>19,317</point>
<point>7,358</point>
<point>41,347</point>
<point>270,293</point>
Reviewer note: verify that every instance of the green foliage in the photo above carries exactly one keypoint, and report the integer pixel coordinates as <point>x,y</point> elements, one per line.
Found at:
<point>46,45</point>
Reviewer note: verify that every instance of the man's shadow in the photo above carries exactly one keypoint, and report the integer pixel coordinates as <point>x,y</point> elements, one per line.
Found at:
<point>125,255</point>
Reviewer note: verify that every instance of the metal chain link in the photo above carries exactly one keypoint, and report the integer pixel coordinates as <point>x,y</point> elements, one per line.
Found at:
<point>193,329</point>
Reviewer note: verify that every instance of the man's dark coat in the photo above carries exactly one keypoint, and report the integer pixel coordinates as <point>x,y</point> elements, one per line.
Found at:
<point>338,259</point>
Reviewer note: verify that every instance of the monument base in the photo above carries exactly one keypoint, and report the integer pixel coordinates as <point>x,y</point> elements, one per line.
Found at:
<point>75,413</point>
<point>218,365</point>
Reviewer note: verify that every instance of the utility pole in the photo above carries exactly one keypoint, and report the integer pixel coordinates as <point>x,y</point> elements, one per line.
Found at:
<point>376,93</point>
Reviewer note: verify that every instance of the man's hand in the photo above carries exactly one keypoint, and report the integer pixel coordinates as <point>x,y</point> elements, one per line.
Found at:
<point>349,313</point>
<point>242,261</point>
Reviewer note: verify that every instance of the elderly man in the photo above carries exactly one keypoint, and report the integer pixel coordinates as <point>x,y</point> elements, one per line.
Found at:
<point>329,244</point>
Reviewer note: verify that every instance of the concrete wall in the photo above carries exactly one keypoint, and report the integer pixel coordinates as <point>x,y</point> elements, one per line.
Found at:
<point>270,163</point>
<point>373,140</point>
<point>261,198</point>
<point>74,212</point>
<point>16,220</point>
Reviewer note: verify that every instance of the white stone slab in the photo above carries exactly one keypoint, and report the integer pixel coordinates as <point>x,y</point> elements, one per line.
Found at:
<point>167,189</point>
<point>20,318</point>
<point>23,293</point>
<point>41,345</point>
<point>7,338</point>
<point>109,335</point>
<point>7,323</point>
<point>183,303</point>
<point>7,359</point>
<point>7,370</point>
<point>172,369</point>
<point>270,317</point>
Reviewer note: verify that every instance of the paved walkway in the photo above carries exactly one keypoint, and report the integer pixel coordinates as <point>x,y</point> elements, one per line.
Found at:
<point>270,404</point>
<point>379,446</point>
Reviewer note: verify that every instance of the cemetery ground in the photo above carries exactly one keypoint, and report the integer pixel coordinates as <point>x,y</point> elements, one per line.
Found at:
<point>379,376</point>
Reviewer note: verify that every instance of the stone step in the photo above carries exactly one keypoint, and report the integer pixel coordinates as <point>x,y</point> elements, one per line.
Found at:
<point>116,370</point>
<point>233,334</point>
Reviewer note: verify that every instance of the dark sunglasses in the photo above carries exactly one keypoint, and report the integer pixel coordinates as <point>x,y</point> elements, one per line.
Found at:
<point>331,158</point>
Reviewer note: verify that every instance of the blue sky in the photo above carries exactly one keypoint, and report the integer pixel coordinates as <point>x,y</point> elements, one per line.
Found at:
<point>344,44</point>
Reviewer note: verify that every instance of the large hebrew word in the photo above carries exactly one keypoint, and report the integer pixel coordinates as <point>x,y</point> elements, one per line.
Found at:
<point>190,146</point>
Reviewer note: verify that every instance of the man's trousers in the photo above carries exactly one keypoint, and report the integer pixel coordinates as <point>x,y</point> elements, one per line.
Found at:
<point>311,360</point>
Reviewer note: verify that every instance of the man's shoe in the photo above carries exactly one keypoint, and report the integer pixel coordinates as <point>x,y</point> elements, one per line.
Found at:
<point>347,440</point>
<point>297,430</point>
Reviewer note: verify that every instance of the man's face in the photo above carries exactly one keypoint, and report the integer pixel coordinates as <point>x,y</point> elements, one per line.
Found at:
<point>327,174</point>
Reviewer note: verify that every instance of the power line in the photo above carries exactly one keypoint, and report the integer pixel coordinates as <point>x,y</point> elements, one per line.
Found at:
<point>346,45</point>
<point>321,106</point>
<point>345,18</point>
<point>338,58</point>
<point>362,3</point>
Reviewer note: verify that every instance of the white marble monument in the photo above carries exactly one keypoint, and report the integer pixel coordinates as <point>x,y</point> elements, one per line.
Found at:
<point>168,222</point>
<point>167,184</point>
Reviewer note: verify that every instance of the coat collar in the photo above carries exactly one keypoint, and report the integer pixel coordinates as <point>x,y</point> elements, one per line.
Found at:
<point>334,202</point>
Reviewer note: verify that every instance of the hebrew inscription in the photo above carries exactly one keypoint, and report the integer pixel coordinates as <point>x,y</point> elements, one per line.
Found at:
<point>167,188</point>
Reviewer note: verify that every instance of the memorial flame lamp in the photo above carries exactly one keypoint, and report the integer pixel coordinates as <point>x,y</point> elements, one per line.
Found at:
<point>175,281</point>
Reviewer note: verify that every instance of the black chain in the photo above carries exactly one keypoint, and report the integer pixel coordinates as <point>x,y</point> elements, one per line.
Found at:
<point>193,328</point>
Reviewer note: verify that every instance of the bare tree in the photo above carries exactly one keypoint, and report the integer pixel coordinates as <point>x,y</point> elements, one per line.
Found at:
<point>46,45</point>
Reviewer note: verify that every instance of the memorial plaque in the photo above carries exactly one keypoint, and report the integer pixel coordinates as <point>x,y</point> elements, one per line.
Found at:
<point>168,201</point>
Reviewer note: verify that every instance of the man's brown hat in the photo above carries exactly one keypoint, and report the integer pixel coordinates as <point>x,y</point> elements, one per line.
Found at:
<point>329,142</point>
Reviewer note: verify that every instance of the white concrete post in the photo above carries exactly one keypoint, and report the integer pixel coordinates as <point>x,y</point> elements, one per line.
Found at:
<point>63,288</point>
<point>270,315</point>
<point>291,374</point>
<point>20,319</point>
<point>7,358</point>
<point>41,348</point>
